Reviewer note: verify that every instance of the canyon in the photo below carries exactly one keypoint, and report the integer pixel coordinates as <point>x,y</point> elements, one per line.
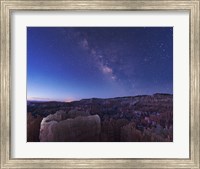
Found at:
<point>143,118</point>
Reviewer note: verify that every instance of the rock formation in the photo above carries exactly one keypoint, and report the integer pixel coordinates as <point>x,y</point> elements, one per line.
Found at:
<point>80,128</point>
<point>144,118</point>
<point>33,127</point>
<point>76,113</point>
<point>130,133</point>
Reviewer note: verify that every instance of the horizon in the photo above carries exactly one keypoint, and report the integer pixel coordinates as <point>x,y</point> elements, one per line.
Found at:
<point>49,100</point>
<point>72,63</point>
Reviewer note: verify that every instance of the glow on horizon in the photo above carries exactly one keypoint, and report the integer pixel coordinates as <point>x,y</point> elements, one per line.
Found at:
<point>73,63</point>
<point>68,100</point>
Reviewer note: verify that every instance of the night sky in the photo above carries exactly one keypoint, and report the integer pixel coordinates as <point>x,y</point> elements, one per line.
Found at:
<point>73,63</point>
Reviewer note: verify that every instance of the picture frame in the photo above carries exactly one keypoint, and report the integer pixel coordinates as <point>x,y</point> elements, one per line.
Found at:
<point>8,6</point>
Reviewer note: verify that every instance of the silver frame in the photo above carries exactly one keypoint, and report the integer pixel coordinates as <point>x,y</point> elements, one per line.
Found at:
<point>7,6</point>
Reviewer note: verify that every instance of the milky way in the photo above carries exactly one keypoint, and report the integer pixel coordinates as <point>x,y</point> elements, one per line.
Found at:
<point>68,63</point>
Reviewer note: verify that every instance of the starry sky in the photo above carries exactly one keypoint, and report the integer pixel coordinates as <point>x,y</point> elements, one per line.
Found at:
<point>73,63</point>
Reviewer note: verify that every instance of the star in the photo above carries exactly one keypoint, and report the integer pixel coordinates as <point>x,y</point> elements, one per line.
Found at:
<point>98,61</point>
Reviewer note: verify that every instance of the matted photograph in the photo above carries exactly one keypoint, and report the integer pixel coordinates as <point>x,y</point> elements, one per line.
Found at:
<point>99,84</point>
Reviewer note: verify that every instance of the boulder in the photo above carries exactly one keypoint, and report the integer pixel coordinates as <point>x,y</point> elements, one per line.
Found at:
<point>48,125</point>
<point>78,129</point>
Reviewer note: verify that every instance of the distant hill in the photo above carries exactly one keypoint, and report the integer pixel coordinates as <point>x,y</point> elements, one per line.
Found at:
<point>140,102</point>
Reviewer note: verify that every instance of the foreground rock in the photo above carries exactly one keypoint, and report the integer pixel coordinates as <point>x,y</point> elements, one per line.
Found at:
<point>54,128</point>
<point>33,127</point>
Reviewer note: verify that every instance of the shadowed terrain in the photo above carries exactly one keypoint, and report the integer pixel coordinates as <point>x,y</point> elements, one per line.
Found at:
<point>144,118</point>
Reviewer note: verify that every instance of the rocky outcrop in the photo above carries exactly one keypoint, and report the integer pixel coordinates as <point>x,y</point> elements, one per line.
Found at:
<point>58,116</point>
<point>76,113</point>
<point>33,127</point>
<point>111,129</point>
<point>130,133</point>
<point>144,118</point>
<point>81,128</point>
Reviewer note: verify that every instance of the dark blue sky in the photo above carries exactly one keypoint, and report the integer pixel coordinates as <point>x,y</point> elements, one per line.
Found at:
<point>72,63</point>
